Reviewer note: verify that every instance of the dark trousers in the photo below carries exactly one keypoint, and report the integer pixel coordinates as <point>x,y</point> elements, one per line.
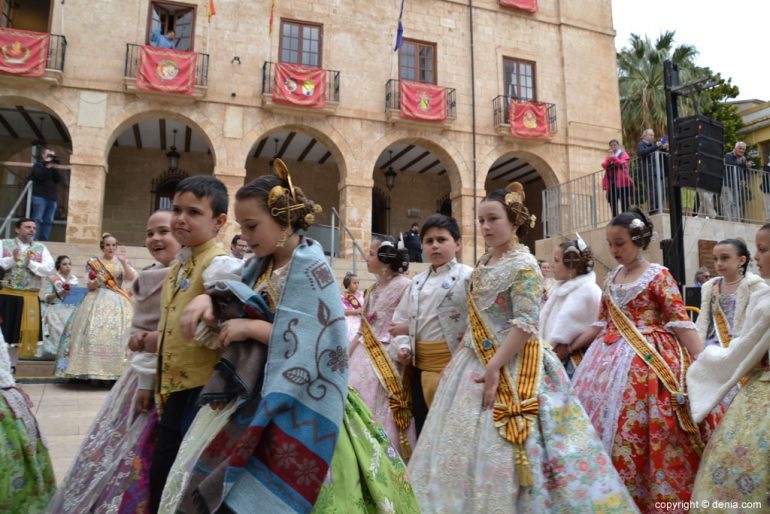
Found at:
<point>619,195</point>
<point>178,415</point>
<point>415,255</point>
<point>43,211</point>
<point>419,407</point>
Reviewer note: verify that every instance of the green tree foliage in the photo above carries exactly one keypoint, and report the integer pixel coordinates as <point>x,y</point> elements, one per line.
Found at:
<point>642,94</point>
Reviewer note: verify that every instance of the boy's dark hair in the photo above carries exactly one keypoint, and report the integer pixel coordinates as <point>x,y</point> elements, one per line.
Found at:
<point>741,249</point>
<point>59,260</point>
<point>23,220</point>
<point>205,186</point>
<point>235,239</point>
<point>641,233</point>
<point>441,221</point>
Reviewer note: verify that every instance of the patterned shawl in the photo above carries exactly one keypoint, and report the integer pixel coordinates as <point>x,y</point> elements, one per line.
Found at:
<point>277,448</point>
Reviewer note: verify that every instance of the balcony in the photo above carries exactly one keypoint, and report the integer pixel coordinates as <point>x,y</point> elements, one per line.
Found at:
<point>54,65</point>
<point>501,111</point>
<point>582,204</point>
<point>201,79</point>
<point>399,116</point>
<point>305,101</point>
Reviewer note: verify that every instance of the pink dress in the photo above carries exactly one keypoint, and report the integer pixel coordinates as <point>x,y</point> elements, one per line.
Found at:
<point>352,302</point>
<point>380,305</point>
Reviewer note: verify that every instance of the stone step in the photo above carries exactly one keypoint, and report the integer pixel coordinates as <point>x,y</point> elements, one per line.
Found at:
<point>34,369</point>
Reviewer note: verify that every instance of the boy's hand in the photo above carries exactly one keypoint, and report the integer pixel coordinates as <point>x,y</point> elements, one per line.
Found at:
<point>201,308</point>
<point>151,342</point>
<point>234,330</point>
<point>399,330</point>
<point>136,341</point>
<point>144,400</point>
<point>404,356</point>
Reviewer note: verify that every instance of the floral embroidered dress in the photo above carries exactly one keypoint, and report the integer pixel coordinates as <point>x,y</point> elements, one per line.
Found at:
<point>628,405</point>
<point>380,306</point>
<point>352,302</point>
<point>93,343</point>
<point>55,315</point>
<point>463,464</point>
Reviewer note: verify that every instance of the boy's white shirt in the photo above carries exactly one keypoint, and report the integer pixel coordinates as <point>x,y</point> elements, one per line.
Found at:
<point>424,309</point>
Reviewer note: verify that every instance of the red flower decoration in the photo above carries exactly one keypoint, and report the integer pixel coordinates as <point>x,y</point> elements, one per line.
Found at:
<point>92,275</point>
<point>66,287</point>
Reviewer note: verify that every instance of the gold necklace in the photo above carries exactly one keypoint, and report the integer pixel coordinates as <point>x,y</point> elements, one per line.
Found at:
<point>273,298</point>
<point>733,282</point>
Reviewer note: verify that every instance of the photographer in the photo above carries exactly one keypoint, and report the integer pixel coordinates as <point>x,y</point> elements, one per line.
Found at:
<point>44,177</point>
<point>651,170</point>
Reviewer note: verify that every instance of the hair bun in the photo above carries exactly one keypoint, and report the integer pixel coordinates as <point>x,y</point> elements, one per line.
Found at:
<point>517,189</point>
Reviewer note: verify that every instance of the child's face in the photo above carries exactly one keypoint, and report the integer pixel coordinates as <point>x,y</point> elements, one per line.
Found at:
<point>763,253</point>
<point>621,246</point>
<point>373,264</point>
<point>193,220</point>
<point>159,241</point>
<point>353,285</point>
<point>439,245</point>
<point>258,228</point>
<point>65,266</point>
<point>727,262</point>
<point>560,270</point>
<point>495,226</point>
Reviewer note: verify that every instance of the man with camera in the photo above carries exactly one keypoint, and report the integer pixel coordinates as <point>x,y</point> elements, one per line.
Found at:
<point>45,178</point>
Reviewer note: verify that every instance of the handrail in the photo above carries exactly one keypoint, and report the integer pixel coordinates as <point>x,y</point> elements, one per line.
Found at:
<point>27,191</point>
<point>336,215</point>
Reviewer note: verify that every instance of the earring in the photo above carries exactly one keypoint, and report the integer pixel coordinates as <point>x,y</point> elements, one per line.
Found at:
<point>282,242</point>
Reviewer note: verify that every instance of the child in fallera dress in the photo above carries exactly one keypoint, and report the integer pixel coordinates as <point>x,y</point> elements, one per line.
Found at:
<point>353,301</point>
<point>260,456</point>
<point>55,312</point>
<point>110,471</point>
<point>734,467</point>
<point>505,432</point>
<point>631,380</point>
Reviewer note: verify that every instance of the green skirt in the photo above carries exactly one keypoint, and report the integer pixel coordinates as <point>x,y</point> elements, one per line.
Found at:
<point>26,477</point>
<point>367,474</point>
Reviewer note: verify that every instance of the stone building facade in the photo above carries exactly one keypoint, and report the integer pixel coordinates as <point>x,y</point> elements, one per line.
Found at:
<point>116,137</point>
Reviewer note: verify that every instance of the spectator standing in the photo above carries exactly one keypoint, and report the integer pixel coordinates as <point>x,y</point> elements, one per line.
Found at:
<point>167,40</point>
<point>25,262</point>
<point>412,243</point>
<point>616,181</point>
<point>45,178</point>
<point>651,168</point>
<point>736,176</point>
<point>765,187</point>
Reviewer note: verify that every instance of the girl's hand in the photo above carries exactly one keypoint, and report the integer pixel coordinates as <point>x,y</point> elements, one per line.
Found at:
<point>241,329</point>
<point>562,351</point>
<point>136,341</point>
<point>404,356</point>
<point>490,379</point>
<point>144,400</point>
<point>122,253</point>
<point>201,308</point>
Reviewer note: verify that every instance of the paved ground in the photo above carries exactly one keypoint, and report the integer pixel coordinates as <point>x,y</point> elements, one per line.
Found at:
<point>65,413</point>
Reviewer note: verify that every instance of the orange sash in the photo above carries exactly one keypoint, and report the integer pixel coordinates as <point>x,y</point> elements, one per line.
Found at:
<point>99,267</point>
<point>721,325</point>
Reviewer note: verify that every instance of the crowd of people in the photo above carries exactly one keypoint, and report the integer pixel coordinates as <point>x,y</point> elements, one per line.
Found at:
<point>493,388</point>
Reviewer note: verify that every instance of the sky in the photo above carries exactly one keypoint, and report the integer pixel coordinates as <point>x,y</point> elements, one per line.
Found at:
<point>731,37</point>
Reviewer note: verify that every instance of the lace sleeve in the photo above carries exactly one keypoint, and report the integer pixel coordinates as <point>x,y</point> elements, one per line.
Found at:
<point>526,291</point>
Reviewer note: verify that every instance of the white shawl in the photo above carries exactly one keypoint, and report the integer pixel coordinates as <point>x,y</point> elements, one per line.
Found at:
<point>717,369</point>
<point>748,286</point>
<point>6,378</point>
<point>571,308</point>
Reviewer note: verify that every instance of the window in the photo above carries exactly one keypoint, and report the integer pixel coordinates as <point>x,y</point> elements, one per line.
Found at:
<point>34,16</point>
<point>167,17</point>
<point>300,43</point>
<point>417,61</point>
<point>6,8</point>
<point>519,79</point>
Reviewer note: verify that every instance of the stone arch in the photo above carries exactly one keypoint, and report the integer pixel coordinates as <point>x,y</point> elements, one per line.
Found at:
<point>450,157</point>
<point>330,137</point>
<point>543,167</point>
<point>136,113</point>
<point>49,104</point>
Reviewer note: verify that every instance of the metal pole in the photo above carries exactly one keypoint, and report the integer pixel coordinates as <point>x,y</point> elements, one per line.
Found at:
<point>331,243</point>
<point>671,80</point>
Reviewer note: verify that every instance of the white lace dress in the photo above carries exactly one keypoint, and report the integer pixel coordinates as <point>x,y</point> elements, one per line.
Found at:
<point>463,464</point>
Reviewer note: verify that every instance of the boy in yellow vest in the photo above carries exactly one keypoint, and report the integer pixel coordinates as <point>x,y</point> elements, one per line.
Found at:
<point>184,364</point>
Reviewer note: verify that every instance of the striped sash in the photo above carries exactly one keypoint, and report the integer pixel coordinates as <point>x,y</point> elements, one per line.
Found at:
<point>649,354</point>
<point>99,267</point>
<point>516,409</point>
<point>721,325</point>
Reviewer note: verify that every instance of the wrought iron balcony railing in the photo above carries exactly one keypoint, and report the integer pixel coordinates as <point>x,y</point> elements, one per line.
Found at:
<point>332,86</point>
<point>501,109</point>
<point>201,65</point>
<point>393,98</point>
<point>57,50</point>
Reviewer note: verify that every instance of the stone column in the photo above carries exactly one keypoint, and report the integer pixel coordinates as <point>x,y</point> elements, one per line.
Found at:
<point>85,206</point>
<point>356,213</point>
<point>233,177</point>
<point>463,210</point>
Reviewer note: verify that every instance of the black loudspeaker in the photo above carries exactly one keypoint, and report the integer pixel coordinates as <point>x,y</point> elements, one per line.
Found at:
<point>692,296</point>
<point>697,153</point>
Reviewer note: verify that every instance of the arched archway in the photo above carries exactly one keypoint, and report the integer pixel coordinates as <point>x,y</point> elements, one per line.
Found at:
<point>149,153</point>
<point>26,127</point>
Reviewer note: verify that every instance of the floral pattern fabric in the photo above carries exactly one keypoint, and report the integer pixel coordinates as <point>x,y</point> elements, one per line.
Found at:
<point>463,464</point>
<point>379,309</point>
<point>735,467</point>
<point>27,480</point>
<point>93,343</point>
<point>629,406</point>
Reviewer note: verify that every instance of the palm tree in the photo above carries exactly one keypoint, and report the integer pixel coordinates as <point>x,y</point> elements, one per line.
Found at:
<point>640,79</point>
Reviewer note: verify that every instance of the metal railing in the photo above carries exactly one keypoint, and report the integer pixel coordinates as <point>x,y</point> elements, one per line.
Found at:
<point>132,64</point>
<point>501,111</point>
<point>591,201</point>
<point>393,98</point>
<point>332,85</point>
<point>356,248</point>
<point>57,51</point>
<point>13,214</point>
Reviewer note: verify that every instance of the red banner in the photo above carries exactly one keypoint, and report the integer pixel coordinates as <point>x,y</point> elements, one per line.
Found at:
<point>524,5</point>
<point>300,85</point>
<point>530,119</point>
<point>423,102</point>
<point>166,70</point>
<point>23,52</point>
